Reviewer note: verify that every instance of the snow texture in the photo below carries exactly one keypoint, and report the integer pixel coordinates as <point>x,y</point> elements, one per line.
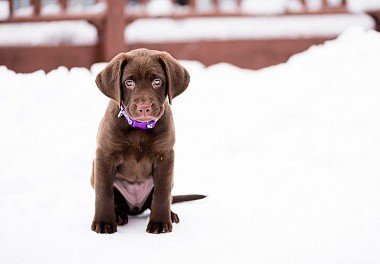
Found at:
<point>154,30</point>
<point>171,30</point>
<point>48,33</point>
<point>288,156</point>
<point>259,7</point>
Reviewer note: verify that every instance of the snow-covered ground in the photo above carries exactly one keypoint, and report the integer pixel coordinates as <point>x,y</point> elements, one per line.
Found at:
<point>153,30</point>
<point>48,33</point>
<point>288,156</point>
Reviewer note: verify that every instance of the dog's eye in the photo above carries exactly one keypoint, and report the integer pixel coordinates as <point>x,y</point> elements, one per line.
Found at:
<point>156,83</point>
<point>130,84</point>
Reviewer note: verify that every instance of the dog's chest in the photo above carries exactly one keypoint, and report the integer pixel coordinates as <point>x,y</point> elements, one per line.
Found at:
<point>134,178</point>
<point>134,168</point>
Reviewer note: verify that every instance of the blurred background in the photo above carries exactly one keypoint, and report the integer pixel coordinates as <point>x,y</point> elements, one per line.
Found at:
<point>45,34</point>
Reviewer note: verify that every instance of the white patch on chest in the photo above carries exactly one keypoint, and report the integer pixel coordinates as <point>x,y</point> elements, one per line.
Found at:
<point>135,194</point>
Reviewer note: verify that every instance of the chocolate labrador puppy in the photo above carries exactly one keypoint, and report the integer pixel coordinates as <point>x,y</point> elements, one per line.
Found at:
<point>133,167</point>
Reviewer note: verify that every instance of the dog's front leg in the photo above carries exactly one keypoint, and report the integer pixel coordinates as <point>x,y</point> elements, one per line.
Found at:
<point>104,174</point>
<point>160,218</point>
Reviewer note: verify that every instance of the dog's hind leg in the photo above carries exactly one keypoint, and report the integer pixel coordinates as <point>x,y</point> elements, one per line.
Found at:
<point>174,217</point>
<point>121,208</point>
<point>148,203</point>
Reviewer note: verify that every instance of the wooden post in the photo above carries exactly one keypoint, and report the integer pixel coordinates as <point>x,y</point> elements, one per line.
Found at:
<point>325,4</point>
<point>216,5</point>
<point>63,4</point>
<point>111,33</point>
<point>304,5</point>
<point>192,5</point>
<point>11,8</point>
<point>144,4</point>
<point>37,7</point>
<point>238,3</point>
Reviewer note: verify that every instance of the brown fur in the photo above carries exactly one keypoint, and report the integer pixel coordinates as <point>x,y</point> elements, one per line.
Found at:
<point>133,154</point>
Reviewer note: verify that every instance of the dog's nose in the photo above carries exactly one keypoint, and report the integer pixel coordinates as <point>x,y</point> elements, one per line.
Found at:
<point>144,108</point>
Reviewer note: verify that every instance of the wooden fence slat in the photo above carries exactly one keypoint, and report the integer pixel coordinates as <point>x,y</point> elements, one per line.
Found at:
<point>37,7</point>
<point>325,4</point>
<point>304,4</point>
<point>215,4</point>
<point>192,4</point>
<point>11,8</point>
<point>144,3</point>
<point>111,33</point>
<point>63,4</point>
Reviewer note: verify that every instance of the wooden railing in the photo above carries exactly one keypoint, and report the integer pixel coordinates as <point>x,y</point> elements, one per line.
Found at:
<point>111,23</point>
<point>38,17</point>
<point>193,11</point>
<point>216,10</point>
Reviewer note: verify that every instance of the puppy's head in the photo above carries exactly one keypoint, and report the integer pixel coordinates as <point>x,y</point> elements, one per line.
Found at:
<point>141,80</point>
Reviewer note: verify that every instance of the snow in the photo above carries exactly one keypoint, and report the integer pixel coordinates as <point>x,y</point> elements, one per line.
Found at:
<point>48,33</point>
<point>288,156</point>
<point>154,30</point>
<point>171,30</point>
<point>363,5</point>
<point>266,7</point>
<point>161,7</point>
<point>4,9</point>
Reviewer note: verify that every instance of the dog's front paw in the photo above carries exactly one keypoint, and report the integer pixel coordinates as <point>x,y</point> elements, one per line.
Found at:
<point>159,227</point>
<point>103,227</point>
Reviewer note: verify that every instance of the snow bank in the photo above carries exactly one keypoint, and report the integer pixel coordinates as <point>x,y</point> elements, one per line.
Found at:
<point>48,33</point>
<point>4,9</point>
<point>288,156</point>
<point>171,30</point>
<point>163,7</point>
<point>363,5</point>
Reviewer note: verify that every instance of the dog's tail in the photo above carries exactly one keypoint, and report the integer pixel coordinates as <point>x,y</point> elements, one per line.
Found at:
<point>187,197</point>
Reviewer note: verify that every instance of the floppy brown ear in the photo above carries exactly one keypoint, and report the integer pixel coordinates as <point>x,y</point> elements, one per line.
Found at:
<point>177,77</point>
<point>109,79</point>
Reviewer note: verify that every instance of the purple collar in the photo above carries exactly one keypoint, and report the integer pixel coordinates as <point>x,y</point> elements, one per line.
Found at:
<point>135,123</point>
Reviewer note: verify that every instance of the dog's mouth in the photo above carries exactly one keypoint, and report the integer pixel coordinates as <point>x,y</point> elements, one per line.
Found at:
<point>147,117</point>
